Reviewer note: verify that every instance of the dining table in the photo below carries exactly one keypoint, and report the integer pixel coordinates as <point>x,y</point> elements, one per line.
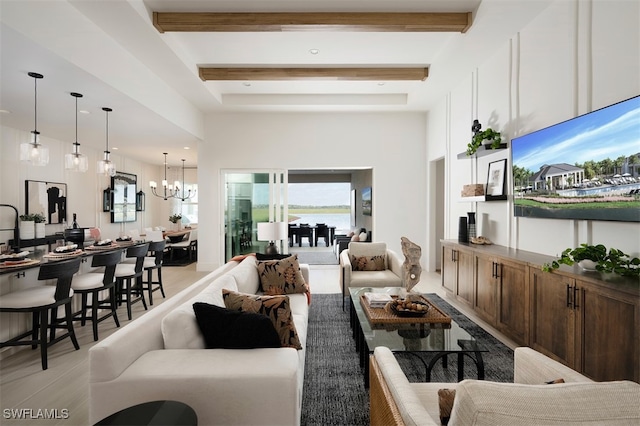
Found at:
<point>294,234</point>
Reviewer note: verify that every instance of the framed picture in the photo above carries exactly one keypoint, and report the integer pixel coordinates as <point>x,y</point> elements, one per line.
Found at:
<point>496,180</point>
<point>46,198</point>
<point>123,197</point>
<point>366,201</point>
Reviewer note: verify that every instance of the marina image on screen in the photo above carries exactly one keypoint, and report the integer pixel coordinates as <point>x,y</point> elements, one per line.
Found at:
<point>586,168</point>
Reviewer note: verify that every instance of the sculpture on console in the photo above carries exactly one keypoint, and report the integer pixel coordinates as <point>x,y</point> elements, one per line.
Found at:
<point>411,268</point>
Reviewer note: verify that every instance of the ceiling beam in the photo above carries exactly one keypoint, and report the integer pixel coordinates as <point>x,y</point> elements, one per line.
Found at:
<point>319,74</point>
<point>315,21</point>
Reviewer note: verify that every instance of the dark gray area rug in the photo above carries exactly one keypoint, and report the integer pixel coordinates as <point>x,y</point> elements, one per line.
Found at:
<point>334,391</point>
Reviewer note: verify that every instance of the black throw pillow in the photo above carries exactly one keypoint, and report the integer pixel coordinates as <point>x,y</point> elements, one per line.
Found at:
<point>227,329</point>
<point>277,256</point>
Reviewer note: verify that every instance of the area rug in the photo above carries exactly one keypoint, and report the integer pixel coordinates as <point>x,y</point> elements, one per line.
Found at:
<point>334,391</point>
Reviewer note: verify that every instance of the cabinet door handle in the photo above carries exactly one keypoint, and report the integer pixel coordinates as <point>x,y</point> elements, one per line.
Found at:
<point>496,267</point>
<point>568,296</point>
<point>576,293</point>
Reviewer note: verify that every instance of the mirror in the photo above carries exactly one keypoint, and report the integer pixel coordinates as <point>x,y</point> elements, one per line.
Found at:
<point>123,190</point>
<point>47,198</point>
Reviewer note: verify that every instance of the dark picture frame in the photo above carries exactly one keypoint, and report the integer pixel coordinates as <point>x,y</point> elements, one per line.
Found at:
<point>46,198</point>
<point>124,187</point>
<point>366,201</point>
<point>496,179</point>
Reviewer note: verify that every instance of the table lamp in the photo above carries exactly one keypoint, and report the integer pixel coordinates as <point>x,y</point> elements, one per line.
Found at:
<point>272,231</point>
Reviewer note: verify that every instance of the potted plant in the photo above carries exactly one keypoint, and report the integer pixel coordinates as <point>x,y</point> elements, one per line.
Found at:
<point>27,227</point>
<point>486,135</point>
<point>39,220</point>
<point>176,219</point>
<point>597,258</point>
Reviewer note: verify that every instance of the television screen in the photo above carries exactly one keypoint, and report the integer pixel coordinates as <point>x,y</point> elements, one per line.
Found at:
<point>586,168</point>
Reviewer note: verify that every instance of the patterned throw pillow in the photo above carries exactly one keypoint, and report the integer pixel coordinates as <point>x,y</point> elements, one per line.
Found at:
<point>281,276</point>
<point>369,263</point>
<point>276,308</point>
<point>445,401</point>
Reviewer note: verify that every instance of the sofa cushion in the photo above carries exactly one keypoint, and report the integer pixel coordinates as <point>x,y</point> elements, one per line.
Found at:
<point>180,328</point>
<point>368,263</point>
<point>481,402</point>
<point>367,249</point>
<point>227,329</point>
<point>277,308</point>
<point>282,276</point>
<point>246,275</point>
<point>384,278</point>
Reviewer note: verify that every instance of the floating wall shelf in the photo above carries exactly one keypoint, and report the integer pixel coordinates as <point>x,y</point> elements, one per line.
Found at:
<point>482,151</point>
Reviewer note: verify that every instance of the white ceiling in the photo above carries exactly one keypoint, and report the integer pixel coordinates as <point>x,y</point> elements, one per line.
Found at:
<point>110,52</point>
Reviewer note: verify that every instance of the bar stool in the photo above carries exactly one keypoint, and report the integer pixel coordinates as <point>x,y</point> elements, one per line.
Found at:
<point>94,283</point>
<point>154,263</point>
<point>39,301</point>
<point>129,277</point>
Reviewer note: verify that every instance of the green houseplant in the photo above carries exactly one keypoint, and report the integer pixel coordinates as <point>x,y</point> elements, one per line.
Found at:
<point>612,261</point>
<point>481,136</point>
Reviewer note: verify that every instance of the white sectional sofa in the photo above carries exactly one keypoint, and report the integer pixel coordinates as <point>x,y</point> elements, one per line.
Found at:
<point>162,356</point>
<point>528,401</point>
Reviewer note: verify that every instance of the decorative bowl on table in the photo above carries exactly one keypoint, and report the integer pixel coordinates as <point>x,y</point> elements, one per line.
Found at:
<point>408,308</point>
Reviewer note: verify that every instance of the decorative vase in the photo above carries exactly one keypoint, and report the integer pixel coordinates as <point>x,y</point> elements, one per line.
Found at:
<point>463,236</point>
<point>587,265</point>
<point>27,230</point>
<point>40,230</point>
<point>471,224</point>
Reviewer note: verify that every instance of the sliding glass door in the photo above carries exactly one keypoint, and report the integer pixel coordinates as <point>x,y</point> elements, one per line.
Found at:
<point>251,197</point>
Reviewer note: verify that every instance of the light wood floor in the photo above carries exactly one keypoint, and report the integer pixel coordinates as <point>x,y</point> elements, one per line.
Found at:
<point>64,385</point>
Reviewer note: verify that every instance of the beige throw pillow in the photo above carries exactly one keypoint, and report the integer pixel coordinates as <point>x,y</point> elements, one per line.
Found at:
<point>281,276</point>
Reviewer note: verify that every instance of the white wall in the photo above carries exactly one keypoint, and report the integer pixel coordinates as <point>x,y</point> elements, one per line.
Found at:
<point>84,189</point>
<point>573,58</point>
<point>393,145</point>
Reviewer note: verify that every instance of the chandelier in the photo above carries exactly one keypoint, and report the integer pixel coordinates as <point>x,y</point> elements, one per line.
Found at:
<point>180,193</point>
<point>176,190</point>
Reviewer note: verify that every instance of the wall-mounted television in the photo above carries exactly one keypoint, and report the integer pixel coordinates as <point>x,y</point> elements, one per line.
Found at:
<point>586,168</point>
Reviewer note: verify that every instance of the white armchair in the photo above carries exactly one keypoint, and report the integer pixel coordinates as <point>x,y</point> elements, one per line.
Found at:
<point>357,257</point>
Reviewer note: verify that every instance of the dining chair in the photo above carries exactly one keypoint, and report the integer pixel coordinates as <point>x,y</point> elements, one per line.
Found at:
<point>190,244</point>
<point>129,277</point>
<point>41,300</point>
<point>305,232</point>
<point>154,263</point>
<point>94,284</point>
<point>321,231</point>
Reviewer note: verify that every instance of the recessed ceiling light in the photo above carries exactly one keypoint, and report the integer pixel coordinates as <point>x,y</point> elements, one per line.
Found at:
<point>187,147</point>
<point>84,111</point>
<point>246,84</point>
<point>115,148</point>
<point>314,51</point>
<point>382,83</point>
<point>5,111</point>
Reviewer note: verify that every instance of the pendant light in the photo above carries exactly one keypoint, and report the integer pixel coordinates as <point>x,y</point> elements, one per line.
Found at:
<point>75,161</point>
<point>32,152</point>
<point>167,190</point>
<point>106,166</point>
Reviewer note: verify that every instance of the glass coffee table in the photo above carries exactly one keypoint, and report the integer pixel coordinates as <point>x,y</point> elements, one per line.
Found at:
<point>433,340</point>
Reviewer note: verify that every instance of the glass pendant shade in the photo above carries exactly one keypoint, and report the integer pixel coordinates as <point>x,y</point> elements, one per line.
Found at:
<point>32,152</point>
<point>75,161</point>
<point>106,166</point>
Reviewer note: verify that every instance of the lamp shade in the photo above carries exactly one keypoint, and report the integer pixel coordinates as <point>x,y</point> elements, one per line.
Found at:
<point>272,231</point>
